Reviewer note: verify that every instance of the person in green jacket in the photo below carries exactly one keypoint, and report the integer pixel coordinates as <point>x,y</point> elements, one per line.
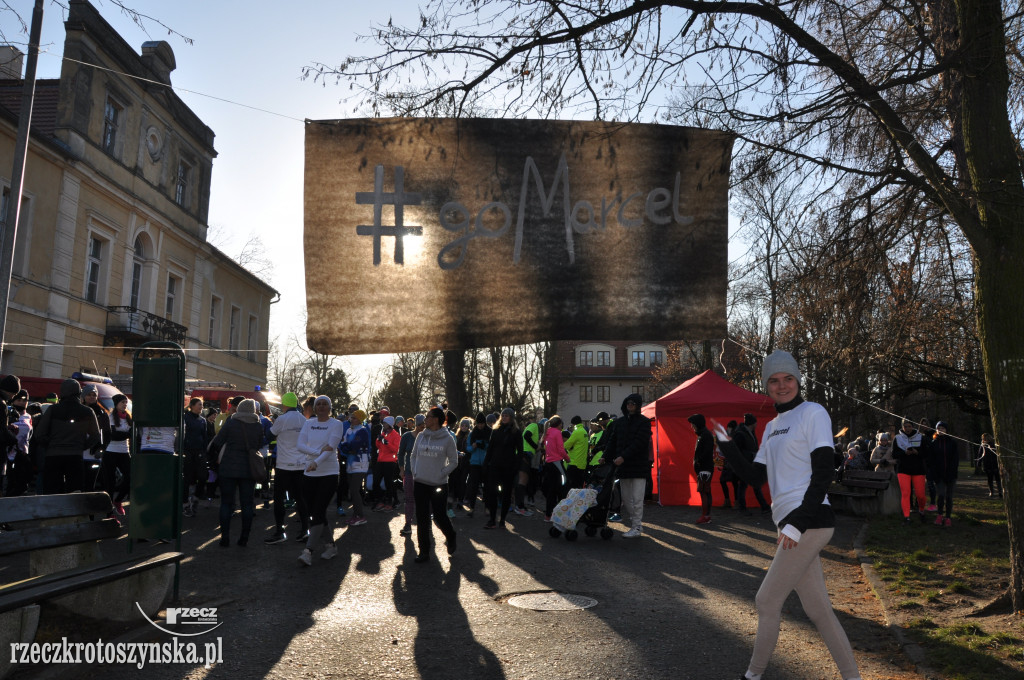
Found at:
<point>531,446</point>
<point>577,447</point>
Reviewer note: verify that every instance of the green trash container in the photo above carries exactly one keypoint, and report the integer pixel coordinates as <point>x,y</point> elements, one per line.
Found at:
<point>158,392</point>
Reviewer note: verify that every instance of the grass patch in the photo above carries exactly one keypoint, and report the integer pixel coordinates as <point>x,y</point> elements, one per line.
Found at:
<point>967,563</point>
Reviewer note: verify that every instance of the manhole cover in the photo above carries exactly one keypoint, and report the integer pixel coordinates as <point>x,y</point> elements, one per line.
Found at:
<point>551,602</point>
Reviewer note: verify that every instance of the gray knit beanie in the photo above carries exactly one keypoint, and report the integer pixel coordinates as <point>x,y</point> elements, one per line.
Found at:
<point>779,361</point>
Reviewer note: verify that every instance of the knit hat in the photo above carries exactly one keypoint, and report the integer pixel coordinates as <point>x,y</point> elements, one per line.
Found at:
<point>89,388</point>
<point>420,418</point>
<point>118,398</point>
<point>70,388</point>
<point>399,419</point>
<point>10,383</point>
<point>779,361</point>
<point>290,400</point>
<point>481,419</point>
<point>389,420</point>
<point>359,414</point>
<point>491,419</point>
<point>508,411</point>
<point>247,406</point>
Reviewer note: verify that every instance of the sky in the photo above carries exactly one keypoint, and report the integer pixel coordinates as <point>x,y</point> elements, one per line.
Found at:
<point>241,74</point>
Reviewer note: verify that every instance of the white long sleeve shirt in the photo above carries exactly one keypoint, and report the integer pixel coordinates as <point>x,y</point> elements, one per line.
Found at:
<point>312,440</point>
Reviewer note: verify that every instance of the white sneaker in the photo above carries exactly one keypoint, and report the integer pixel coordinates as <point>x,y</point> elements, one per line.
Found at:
<point>632,533</point>
<point>329,552</point>
<point>306,557</point>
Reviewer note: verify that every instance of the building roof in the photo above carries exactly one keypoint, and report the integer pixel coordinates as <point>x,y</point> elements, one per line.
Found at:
<point>44,109</point>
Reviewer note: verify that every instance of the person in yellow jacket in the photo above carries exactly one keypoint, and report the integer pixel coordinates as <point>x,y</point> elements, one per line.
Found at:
<point>577,446</point>
<point>528,468</point>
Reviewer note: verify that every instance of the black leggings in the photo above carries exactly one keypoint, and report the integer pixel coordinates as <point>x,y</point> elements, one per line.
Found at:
<point>290,482</point>
<point>113,462</point>
<point>505,480</point>
<point>431,499</point>
<point>317,492</point>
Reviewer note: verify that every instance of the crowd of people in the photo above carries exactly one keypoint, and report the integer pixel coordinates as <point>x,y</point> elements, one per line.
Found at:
<point>926,462</point>
<point>442,465</point>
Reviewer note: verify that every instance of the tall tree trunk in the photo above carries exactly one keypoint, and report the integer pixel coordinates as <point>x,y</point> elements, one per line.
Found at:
<point>996,236</point>
<point>454,362</point>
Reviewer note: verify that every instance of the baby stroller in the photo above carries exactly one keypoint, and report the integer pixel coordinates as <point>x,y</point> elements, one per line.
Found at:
<point>584,506</point>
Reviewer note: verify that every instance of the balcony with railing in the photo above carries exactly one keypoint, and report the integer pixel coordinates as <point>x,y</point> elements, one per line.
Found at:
<point>130,327</point>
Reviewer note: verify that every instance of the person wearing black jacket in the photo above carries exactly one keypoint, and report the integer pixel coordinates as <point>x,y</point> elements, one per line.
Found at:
<point>796,459</point>
<point>746,441</point>
<point>93,457</point>
<point>629,443</point>
<point>65,430</point>
<point>501,464</point>
<point>194,466</point>
<point>703,464</point>
<point>945,461</point>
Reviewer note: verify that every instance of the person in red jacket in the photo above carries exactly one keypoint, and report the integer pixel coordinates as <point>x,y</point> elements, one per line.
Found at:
<point>387,463</point>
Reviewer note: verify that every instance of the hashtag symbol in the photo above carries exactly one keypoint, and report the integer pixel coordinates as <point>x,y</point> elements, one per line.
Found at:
<point>378,198</point>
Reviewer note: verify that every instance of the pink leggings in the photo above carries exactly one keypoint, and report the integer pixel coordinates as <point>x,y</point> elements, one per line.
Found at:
<point>915,482</point>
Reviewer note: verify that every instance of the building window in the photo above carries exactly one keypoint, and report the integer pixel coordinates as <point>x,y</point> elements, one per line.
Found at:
<point>5,205</point>
<point>604,358</point>
<point>213,338</point>
<point>173,293</point>
<point>253,337</point>
<point>94,270</point>
<point>112,114</point>
<point>604,393</point>
<point>657,358</point>
<point>234,330</point>
<point>638,359</point>
<point>138,260</point>
<point>639,389</point>
<point>182,182</point>
<point>586,393</point>
<point>586,358</point>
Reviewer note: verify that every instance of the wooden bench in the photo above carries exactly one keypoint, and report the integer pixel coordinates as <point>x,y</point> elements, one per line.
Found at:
<point>866,492</point>
<point>61,535</point>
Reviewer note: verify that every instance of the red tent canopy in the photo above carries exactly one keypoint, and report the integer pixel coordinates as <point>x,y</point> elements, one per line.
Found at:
<point>674,440</point>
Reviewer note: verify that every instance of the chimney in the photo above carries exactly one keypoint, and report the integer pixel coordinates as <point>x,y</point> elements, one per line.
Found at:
<point>158,56</point>
<point>11,60</point>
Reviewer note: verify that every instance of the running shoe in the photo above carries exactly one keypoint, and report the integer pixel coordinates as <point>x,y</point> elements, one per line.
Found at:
<point>306,557</point>
<point>277,537</point>
<point>356,521</point>
<point>523,512</point>
<point>329,552</point>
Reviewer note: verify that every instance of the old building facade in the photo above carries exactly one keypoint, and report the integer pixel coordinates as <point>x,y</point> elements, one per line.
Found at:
<point>597,376</point>
<point>112,249</point>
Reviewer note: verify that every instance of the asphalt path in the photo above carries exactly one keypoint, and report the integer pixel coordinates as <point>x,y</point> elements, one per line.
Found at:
<point>677,603</point>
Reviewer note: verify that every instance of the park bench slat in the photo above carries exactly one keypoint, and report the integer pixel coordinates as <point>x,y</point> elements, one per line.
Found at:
<point>33,538</point>
<point>49,586</point>
<point>23,508</point>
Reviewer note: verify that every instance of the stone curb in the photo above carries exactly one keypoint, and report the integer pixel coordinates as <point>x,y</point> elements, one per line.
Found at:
<point>913,650</point>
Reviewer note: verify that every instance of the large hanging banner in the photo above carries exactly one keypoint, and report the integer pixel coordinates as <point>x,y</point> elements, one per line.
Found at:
<point>439,233</point>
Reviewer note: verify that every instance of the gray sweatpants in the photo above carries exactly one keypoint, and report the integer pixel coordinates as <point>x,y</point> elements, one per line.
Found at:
<point>800,569</point>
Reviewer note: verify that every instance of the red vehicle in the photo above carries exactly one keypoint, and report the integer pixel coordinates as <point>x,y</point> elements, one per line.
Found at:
<point>38,388</point>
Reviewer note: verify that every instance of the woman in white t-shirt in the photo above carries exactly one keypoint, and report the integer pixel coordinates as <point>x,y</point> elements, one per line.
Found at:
<point>796,459</point>
<point>318,442</point>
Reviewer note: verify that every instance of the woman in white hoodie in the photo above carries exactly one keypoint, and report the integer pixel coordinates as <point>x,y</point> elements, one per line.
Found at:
<point>318,442</point>
<point>434,457</point>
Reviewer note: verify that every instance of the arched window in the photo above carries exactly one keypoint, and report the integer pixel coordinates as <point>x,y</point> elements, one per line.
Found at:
<point>138,260</point>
